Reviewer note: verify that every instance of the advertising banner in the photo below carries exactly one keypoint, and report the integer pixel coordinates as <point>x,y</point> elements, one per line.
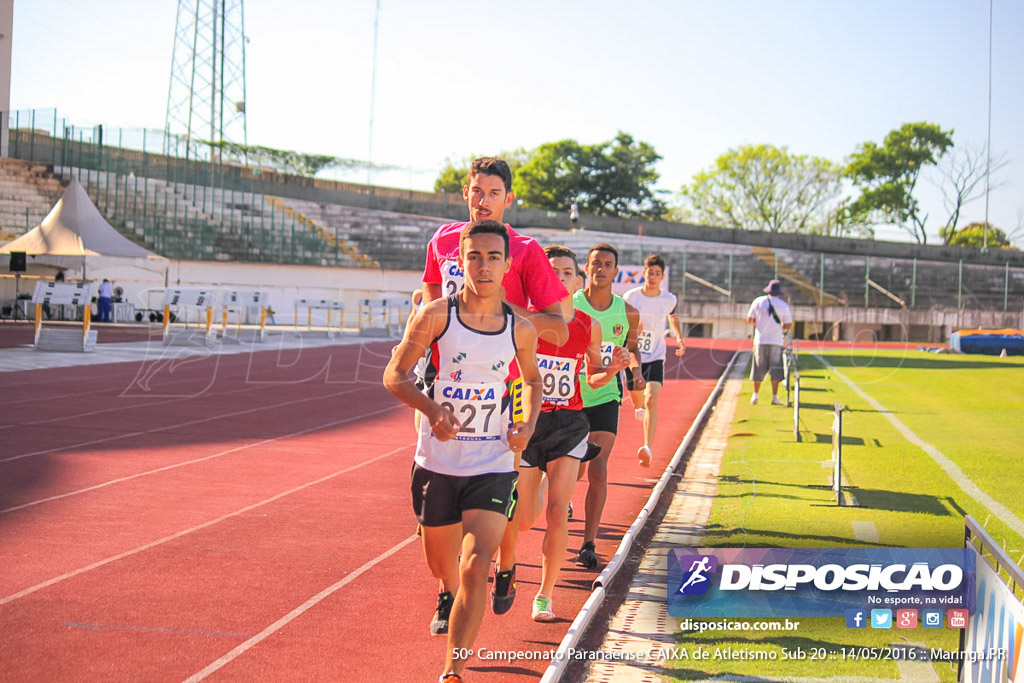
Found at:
<point>860,584</point>
<point>992,645</point>
<point>633,276</point>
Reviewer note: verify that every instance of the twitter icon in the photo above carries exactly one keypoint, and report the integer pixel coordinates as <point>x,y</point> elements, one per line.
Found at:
<point>881,618</point>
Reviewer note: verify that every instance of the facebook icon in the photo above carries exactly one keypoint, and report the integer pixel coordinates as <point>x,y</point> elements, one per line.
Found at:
<point>856,618</point>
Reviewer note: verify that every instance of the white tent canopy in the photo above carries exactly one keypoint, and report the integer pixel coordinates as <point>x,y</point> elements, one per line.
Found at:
<point>73,230</point>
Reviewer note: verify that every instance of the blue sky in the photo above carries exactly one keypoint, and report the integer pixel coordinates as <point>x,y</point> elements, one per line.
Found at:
<point>694,78</point>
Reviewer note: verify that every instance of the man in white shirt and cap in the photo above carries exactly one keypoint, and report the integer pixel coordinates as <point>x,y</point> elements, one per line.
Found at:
<point>771,319</point>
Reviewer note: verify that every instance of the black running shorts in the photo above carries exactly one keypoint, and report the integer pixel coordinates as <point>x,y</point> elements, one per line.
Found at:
<point>604,417</point>
<point>653,371</point>
<point>559,433</point>
<point>440,499</point>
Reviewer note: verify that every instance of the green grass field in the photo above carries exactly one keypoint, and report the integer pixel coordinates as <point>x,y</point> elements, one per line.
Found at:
<point>774,491</point>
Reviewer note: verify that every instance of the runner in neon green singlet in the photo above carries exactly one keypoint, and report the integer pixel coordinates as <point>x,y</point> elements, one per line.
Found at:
<point>614,328</point>
<point>619,324</point>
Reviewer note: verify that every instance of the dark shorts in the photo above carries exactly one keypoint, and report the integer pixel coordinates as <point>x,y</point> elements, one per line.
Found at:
<point>559,433</point>
<point>440,499</point>
<point>604,417</point>
<point>652,372</point>
<point>767,361</point>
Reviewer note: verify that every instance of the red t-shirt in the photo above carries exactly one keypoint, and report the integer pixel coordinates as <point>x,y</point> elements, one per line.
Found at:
<point>531,280</point>
<point>560,366</point>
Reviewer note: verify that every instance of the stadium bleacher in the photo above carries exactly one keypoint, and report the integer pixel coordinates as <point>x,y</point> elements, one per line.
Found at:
<point>197,210</point>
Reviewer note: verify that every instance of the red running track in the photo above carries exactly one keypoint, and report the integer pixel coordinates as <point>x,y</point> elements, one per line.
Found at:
<point>248,517</point>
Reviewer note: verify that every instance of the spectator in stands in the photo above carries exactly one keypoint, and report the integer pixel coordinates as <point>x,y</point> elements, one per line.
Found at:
<point>530,280</point>
<point>574,215</point>
<point>103,302</point>
<point>771,319</point>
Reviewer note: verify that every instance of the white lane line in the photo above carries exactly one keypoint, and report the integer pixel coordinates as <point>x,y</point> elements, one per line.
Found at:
<point>106,390</point>
<point>1004,514</point>
<point>198,527</point>
<point>192,462</point>
<point>190,423</point>
<point>297,612</point>
<point>865,531</point>
<point>121,408</point>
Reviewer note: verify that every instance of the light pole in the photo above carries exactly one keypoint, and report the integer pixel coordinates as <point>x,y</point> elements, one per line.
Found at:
<point>988,142</point>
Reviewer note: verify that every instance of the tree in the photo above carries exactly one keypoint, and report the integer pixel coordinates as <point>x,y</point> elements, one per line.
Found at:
<point>622,179</point>
<point>762,187</point>
<point>973,235</point>
<point>288,161</point>
<point>614,178</point>
<point>452,177</point>
<point>962,180</point>
<point>554,176</point>
<point>1018,231</point>
<point>887,175</point>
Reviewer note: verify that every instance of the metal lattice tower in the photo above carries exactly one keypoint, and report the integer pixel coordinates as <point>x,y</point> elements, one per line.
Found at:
<point>206,97</point>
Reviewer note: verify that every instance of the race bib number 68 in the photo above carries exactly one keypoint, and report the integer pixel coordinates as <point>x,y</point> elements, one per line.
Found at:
<point>645,342</point>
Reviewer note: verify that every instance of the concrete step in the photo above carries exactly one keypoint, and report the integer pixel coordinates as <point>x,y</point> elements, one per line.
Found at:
<point>65,339</point>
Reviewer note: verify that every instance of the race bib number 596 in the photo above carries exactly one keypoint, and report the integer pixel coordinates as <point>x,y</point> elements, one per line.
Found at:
<point>558,376</point>
<point>606,353</point>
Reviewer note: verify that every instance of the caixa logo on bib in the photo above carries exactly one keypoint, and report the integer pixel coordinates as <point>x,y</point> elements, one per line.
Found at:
<point>792,582</point>
<point>469,393</point>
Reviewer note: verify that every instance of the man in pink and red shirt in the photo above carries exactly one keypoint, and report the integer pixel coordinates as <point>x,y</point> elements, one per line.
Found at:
<point>530,282</point>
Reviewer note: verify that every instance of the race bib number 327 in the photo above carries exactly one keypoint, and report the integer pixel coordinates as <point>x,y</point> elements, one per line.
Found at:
<point>452,277</point>
<point>477,407</point>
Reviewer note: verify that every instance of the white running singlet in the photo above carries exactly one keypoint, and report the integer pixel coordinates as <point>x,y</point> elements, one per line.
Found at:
<point>469,370</point>
<point>654,312</point>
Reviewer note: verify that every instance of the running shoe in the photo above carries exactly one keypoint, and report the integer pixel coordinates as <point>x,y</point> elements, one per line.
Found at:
<point>643,454</point>
<point>776,401</point>
<point>449,678</point>
<point>570,509</point>
<point>639,414</point>
<point>542,610</point>
<point>587,556</point>
<point>503,594</point>
<point>439,624</point>
<point>753,399</point>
